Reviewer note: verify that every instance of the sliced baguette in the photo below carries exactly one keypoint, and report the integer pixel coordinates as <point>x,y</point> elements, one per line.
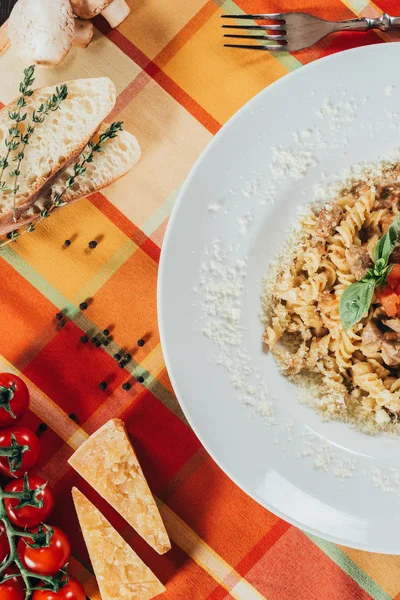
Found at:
<point>108,462</point>
<point>119,571</point>
<point>119,156</point>
<point>59,139</point>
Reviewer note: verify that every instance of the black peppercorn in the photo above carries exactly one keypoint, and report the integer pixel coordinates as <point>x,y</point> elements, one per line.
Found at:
<point>106,332</point>
<point>140,379</point>
<point>105,343</point>
<point>83,306</point>
<point>72,416</point>
<point>103,385</point>
<point>62,323</point>
<point>92,244</point>
<point>84,339</point>
<point>42,427</point>
<point>127,357</point>
<point>67,243</point>
<point>121,364</point>
<point>117,356</point>
<point>59,316</point>
<point>126,386</point>
<point>140,343</point>
<point>98,344</point>
<point>94,339</point>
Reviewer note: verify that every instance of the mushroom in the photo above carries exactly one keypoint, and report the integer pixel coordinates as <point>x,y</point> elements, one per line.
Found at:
<point>115,11</point>
<point>83,33</point>
<point>371,338</point>
<point>41,31</point>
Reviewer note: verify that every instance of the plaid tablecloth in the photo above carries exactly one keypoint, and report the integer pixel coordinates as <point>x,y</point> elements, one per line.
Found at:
<point>176,87</point>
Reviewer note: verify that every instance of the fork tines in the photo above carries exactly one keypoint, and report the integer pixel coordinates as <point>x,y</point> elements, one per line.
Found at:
<point>280,37</point>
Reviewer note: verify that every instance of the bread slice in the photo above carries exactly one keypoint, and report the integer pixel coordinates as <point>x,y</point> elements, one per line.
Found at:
<point>119,571</point>
<point>59,139</point>
<point>109,464</point>
<point>119,156</point>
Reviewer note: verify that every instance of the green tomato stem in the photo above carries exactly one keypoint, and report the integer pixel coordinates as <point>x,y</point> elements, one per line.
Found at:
<point>13,558</point>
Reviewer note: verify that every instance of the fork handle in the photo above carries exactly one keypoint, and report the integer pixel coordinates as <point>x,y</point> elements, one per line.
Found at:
<point>384,23</point>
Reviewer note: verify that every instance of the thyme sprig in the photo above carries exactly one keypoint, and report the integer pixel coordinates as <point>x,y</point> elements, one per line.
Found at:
<point>52,104</point>
<point>12,142</point>
<point>79,169</point>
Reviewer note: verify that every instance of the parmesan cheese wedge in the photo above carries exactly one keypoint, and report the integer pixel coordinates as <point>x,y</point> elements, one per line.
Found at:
<point>119,571</point>
<point>109,464</point>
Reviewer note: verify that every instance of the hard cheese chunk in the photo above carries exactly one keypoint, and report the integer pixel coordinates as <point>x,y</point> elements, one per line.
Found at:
<point>108,462</point>
<point>119,571</point>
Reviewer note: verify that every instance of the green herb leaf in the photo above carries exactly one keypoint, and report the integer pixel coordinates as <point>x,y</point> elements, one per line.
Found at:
<point>355,301</point>
<point>386,244</point>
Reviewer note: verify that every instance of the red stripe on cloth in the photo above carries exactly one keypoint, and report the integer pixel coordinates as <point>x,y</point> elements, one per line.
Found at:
<point>163,443</point>
<point>292,568</point>
<point>125,225</point>
<point>255,554</point>
<point>69,372</point>
<point>173,89</point>
<point>125,97</point>
<point>262,547</point>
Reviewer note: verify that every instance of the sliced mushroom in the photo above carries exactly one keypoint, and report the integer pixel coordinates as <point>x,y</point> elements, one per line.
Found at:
<point>328,218</point>
<point>83,33</point>
<point>87,9</point>
<point>359,261</point>
<point>391,336</point>
<point>371,338</point>
<point>393,324</point>
<point>41,31</point>
<point>391,353</point>
<point>116,12</point>
<point>387,196</point>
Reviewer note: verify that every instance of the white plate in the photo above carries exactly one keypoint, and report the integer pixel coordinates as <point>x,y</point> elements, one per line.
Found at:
<point>342,485</point>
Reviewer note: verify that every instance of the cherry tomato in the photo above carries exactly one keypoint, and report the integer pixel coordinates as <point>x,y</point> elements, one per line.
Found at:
<point>4,545</point>
<point>71,591</point>
<point>389,300</point>
<point>12,589</point>
<point>25,445</point>
<point>29,516</point>
<point>14,399</point>
<point>393,278</point>
<point>46,561</point>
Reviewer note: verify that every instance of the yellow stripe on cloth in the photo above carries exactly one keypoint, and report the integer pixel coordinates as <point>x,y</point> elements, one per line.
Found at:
<point>204,556</point>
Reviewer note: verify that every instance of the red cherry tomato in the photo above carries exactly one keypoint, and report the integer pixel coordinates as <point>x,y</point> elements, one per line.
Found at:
<point>25,445</point>
<point>29,516</point>
<point>12,589</point>
<point>14,399</point>
<point>46,561</point>
<point>71,591</point>
<point>4,545</point>
<point>393,278</point>
<point>389,300</point>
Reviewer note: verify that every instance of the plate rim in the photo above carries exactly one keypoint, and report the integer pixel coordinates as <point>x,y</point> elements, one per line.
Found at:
<point>378,549</point>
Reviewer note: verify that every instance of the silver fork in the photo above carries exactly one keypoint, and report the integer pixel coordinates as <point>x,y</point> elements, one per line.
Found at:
<point>298,30</point>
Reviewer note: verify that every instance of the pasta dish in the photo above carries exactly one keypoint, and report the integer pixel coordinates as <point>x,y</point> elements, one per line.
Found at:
<point>332,305</point>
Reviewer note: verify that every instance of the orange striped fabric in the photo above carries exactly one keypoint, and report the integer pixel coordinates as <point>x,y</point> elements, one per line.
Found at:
<point>176,87</point>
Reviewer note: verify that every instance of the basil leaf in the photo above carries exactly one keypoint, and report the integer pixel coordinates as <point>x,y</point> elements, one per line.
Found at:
<point>386,244</point>
<point>355,301</point>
